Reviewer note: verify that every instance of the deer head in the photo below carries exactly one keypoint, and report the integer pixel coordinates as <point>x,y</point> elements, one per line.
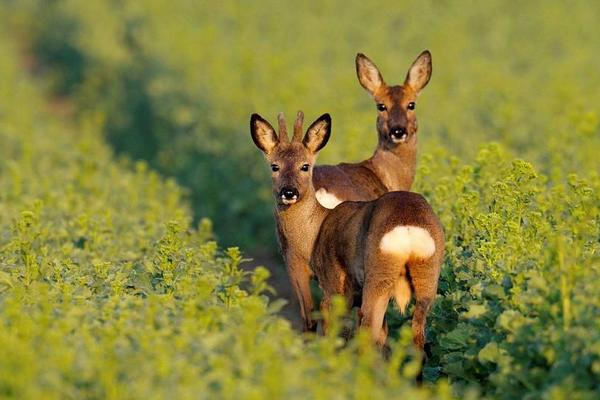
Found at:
<point>396,116</point>
<point>291,161</point>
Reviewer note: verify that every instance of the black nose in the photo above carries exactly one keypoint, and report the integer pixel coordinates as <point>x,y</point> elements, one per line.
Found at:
<point>398,131</point>
<point>288,193</point>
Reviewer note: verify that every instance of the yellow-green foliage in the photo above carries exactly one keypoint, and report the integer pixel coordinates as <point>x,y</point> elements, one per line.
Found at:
<point>518,307</point>
<point>177,81</point>
<point>107,291</point>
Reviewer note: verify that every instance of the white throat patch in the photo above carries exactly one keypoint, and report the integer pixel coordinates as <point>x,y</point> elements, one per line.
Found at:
<point>326,199</point>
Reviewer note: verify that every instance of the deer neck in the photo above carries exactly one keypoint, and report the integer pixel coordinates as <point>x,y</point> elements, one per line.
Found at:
<point>298,226</point>
<point>395,168</point>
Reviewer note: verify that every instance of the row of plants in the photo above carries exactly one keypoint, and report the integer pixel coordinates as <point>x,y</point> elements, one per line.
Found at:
<point>176,82</point>
<point>108,290</point>
<point>101,261</point>
<point>517,312</point>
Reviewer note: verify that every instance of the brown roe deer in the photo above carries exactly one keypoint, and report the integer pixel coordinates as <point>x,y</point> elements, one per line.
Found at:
<point>393,165</point>
<point>380,249</point>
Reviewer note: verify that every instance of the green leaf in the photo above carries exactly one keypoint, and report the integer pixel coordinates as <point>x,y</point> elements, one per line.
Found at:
<point>490,353</point>
<point>475,311</point>
<point>457,338</point>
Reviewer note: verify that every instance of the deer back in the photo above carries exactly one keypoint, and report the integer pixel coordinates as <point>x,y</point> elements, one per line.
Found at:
<point>366,238</point>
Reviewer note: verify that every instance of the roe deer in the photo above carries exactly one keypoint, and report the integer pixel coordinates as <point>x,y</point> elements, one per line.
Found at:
<point>393,165</point>
<point>380,249</point>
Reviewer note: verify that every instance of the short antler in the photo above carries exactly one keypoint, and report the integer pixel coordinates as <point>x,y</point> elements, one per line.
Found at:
<point>298,127</point>
<point>283,135</point>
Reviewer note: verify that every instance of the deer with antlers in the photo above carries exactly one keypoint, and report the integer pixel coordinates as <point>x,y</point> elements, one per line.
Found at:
<point>393,164</point>
<point>379,249</point>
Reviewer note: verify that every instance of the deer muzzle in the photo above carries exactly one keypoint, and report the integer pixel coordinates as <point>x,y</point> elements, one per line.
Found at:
<point>288,195</point>
<point>398,134</point>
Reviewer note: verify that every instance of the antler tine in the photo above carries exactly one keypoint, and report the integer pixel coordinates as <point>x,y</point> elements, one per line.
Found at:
<point>298,127</point>
<point>283,135</point>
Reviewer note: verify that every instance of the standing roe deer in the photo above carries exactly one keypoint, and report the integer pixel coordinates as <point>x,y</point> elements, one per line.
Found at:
<point>393,165</point>
<point>381,249</point>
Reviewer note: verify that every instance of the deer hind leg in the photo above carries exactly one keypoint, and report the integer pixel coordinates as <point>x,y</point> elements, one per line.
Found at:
<point>382,273</point>
<point>424,277</point>
<point>372,311</point>
<point>336,282</point>
<point>422,308</point>
<point>424,299</point>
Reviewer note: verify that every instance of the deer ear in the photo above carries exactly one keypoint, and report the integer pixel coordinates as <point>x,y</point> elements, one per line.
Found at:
<point>368,74</point>
<point>318,133</point>
<point>419,72</point>
<point>263,134</point>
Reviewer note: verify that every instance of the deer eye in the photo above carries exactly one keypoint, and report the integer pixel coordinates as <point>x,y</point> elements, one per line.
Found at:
<point>381,107</point>
<point>274,167</point>
<point>411,105</point>
<point>305,167</point>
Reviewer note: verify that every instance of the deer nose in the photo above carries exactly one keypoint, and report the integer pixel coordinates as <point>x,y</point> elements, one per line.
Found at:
<point>398,132</point>
<point>288,193</point>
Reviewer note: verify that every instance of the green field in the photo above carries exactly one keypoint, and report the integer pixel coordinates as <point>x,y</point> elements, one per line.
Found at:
<point>125,157</point>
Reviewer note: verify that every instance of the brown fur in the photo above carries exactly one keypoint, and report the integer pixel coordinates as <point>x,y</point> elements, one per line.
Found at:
<point>393,164</point>
<point>343,246</point>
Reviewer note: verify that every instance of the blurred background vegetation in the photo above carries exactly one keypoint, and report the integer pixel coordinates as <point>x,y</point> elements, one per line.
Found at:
<point>107,290</point>
<point>176,81</point>
<point>110,284</point>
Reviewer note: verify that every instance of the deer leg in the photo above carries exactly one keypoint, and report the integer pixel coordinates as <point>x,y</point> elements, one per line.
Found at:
<point>336,282</point>
<point>424,279</point>
<point>300,275</point>
<point>423,276</point>
<point>302,287</point>
<point>372,313</point>
<point>422,308</point>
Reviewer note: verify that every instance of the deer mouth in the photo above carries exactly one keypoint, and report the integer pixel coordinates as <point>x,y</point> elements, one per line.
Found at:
<point>288,200</point>
<point>399,138</point>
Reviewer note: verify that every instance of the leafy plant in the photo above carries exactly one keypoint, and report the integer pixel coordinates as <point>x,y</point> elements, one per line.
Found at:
<point>111,283</point>
<point>107,289</point>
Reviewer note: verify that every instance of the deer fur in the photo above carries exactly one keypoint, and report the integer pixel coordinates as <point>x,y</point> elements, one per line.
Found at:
<point>393,164</point>
<point>376,250</point>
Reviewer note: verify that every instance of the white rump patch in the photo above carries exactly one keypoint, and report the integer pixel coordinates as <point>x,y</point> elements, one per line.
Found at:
<point>407,242</point>
<point>326,199</point>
